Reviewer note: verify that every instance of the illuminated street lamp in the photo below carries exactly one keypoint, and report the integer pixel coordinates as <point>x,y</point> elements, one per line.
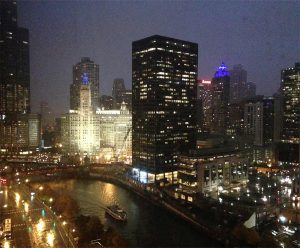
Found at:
<point>26,207</point>
<point>18,197</point>
<point>282,218</point>
<point>6,244</point>
<point>50,239</point>
<point>40,226</point>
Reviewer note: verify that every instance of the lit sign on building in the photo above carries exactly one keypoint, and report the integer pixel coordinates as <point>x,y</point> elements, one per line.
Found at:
<point>206,81</point>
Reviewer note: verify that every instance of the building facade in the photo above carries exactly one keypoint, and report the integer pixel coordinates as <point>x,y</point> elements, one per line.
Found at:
<point>290,135</point>
<point>213,170</point>
<point>250,90</point>
<point>19,129</point>
<point>115,133</point>
<point>92,133</point>
<point>259,124</point>
<point>118,90</point>
<point>204,99</point>
<point>164,77</point>
<point>220,100</point>
<point>80,133</point>
<point>238,80</point>
<point>86,70</point>
<point>14,63</point>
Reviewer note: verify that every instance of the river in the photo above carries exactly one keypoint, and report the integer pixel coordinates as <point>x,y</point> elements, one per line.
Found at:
<point>147,225</point>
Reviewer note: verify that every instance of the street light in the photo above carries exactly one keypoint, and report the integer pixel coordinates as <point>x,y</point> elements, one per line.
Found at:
<point>6,244</point>
<point>26,207</point>
<point>50,238</point>
<point>18,197</point>
<point>40,226</point>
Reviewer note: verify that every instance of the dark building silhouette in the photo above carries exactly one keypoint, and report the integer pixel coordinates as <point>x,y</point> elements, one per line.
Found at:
<point>249,91</point>
<point>164,78</point>
<point>86,70</point>
<point>235,126</point>
<point>120,94</point>
<point>238,79</point>
<point>18,127</point>
<point>220,100</point>
<point>47,117</point>
<point>14,63</point>
<point>106,102</point>
<point>118,90</point>
<point>290,135</point>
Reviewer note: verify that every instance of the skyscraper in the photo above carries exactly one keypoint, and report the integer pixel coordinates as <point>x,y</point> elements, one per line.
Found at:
<point>249,91</point>
<point>80,132</point>
<point>164,78</point>
<point>204,97</point>
<point>14,64</point>
<point>118,91</point>
<point>238,79</point>
<point>85,68</point>
<point>290,136</point>
<point>18,128</point>
<point>220,100</point>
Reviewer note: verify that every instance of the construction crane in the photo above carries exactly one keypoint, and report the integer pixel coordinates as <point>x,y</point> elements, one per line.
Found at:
<point>123,144</point>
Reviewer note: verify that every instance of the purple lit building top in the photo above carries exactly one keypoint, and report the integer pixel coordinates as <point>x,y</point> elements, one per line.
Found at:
<point>85,79</point>
<point>222,71</point>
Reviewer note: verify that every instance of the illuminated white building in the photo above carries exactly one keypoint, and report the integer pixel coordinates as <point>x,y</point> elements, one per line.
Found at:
<point>104,134</point>
<point>116,132</point>
<point>80,128</point>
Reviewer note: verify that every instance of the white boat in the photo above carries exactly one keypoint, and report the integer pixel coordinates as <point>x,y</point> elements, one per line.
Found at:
<point>116,212</point>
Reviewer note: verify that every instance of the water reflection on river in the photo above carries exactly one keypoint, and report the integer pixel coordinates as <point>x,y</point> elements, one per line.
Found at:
<point>147,225</point>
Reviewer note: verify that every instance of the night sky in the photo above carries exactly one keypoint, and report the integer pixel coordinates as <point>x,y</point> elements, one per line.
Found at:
<point>263,36</point>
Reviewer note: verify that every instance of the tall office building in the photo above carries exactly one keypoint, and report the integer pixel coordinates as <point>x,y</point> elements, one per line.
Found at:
<point>164,78</point>
<point>249,91</point>
<point>18,128</point>
<point>118,91</point>
<point>238,80</point>
<point>263,149</point>
<point>290,136</point>
<point>220,100</point>
<point>14,64</point>
<point>204,97</point>
<point>85,68</point>
<point>47,117</point>
<point>264,122</point>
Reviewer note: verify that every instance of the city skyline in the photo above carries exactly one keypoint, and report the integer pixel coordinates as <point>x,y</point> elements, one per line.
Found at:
<point>184,142</point>
<point>260,36</point>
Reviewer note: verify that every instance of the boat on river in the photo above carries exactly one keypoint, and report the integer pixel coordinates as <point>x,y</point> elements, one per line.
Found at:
<point>116,212</point>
